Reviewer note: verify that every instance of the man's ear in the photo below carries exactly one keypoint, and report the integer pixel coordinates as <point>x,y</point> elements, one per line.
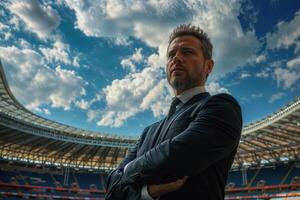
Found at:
<point>209,65</point>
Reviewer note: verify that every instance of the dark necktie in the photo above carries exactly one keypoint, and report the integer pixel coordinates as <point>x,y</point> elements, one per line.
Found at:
<point>174,103</point>
<point>161,135</point>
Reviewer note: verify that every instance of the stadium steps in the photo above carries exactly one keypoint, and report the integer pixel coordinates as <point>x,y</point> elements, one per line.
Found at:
<point>53,179</point>
<point>75,179</point>
<point>287,175</point>
<point>102,182</point>
<point>22,178</point>
<point>254,177</point>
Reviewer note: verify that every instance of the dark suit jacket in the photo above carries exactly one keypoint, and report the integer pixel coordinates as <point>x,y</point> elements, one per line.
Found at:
<point>199,141</point>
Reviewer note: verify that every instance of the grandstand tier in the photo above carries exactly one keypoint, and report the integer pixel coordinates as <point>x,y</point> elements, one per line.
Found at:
<point>40,158</point>
<point>29,180</point>
<point>27,137</point>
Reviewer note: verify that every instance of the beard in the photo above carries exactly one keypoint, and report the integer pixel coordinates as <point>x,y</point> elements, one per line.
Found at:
<point>182,84</point>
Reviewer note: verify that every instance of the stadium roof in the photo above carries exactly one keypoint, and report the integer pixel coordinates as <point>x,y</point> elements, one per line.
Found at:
<point>27,137</point>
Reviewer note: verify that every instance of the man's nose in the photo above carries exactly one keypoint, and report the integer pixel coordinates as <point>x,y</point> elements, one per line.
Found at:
<point>178,57</point>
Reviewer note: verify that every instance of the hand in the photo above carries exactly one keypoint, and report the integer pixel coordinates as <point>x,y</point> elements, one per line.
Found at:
<point>156,190</point>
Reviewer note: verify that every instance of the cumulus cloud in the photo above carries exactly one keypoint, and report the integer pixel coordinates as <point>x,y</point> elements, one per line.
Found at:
<point>137,91</point>
<point>117,18</point>
<point>286,77</point>
<point>132,60</point>
<point>121,41</point>
<point>232,45</point>
<point>24,44</point>
<point>60,53</point>
<point>5,32</point>
<point>263,74</point>
<point>158,99</point>
<point>294,63</point>
<point>83,104</point>
<point>15,23</point>
<point>35,84</point>
<point>40,19</point>
<point>276,97</point>
<point>152,21</point>
<point>286,35</point>
<point>41,110</point>
<point>215,88</point>
<point>145,90</point>
<point>260,58</point>
<point>244,75</point>
<point>93,115</point>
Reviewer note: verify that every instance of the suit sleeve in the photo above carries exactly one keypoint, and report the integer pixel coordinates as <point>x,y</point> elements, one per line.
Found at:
<point>114,189</point>
<point>213,135</point>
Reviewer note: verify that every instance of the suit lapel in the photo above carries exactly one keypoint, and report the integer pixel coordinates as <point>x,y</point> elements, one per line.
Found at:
<point>157,133</point>
<point>188,104</point>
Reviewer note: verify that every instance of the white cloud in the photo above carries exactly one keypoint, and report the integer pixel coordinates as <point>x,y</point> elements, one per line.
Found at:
<point>120,41</point>
<point>115,118</point>
<point>294,63</point>
<point>24,44</point>
<point>5,32</point>
<point>35,84</point>
<point>260,58</point>
<point>262,74</point>
<point>152,21</point>
<point>93,115</point>
<point>277,63</point>
<point>215,88</point>
<point>117,18</point>
<point>46,111</point>
<point>244,75</point>
<point>286,77</point>
<point>60,53</point>
<point>41,110</point>
<point>139,91</point>
<point>232,46</point>
<point>257,59</point>
<point>132,60</point>
<point>15,23</point>
<point>158,99</point>
<point>82,104</point>
<point>285,35</point>
<point>76,61</point>
<point>40,19</point>
<point>276,97</point>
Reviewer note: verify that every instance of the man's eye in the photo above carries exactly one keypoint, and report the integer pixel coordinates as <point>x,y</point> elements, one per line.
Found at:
<point>187,52</point>
<point>171,55</point>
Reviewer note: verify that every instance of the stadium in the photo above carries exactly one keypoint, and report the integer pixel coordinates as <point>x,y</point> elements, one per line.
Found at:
<point>44,159</point>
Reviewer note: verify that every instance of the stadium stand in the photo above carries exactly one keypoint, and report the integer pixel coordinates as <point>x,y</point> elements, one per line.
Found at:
<point>40,158</point>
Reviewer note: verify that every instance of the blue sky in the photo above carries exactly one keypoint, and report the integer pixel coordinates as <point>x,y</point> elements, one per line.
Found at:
<point>100,64</point>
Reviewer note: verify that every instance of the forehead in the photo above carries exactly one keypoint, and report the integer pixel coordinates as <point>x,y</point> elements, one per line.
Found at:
<point>185,41</point>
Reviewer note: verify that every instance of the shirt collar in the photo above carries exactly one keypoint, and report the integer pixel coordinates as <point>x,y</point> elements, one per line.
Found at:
<point>188,94</point>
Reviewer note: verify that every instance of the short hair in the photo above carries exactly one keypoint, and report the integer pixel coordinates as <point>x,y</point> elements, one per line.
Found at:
<point>188,29</point>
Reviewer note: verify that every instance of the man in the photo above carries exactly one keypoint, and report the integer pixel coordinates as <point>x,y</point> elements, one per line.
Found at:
<point>188,154</point>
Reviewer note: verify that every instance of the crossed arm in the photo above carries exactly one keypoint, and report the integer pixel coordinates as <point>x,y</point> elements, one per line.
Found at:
<point>213,135</point>
<point>154,190</point>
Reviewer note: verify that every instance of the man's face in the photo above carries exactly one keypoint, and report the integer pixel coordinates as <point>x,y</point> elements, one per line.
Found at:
<point>186,65</point>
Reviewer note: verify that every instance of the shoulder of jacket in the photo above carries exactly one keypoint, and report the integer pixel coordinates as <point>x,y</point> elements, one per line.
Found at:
<point>223,97</point>
<point>154,125</point>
